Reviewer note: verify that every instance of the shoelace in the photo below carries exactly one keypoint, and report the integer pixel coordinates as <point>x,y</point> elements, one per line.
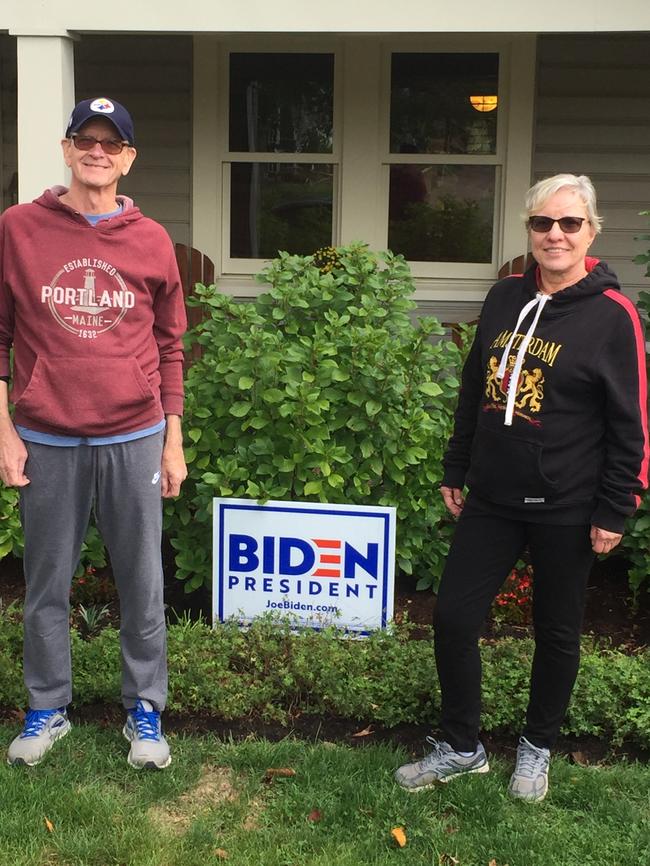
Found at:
<point>35,721</point>
<point>146,723</point>
<point>435,755</point>
<point>531,760</point>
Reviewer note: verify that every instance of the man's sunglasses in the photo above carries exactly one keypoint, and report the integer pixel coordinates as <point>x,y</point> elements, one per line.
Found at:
<point>569,225</point>
<point>112,146</point>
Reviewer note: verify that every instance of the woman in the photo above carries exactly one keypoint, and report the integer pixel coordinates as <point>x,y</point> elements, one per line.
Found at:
<point>551,438</point>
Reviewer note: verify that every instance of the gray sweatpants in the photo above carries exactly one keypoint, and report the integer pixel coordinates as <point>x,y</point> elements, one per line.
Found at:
<point>122,483</point>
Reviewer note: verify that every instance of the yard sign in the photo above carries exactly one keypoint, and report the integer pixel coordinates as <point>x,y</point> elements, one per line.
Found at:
<point>320,564</point>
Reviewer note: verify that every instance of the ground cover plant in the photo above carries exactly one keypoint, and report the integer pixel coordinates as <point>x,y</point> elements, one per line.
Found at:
<point>294,803</point>
<point>269,672</point>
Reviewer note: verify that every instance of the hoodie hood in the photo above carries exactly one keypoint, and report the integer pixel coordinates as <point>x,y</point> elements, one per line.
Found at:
<point>51,199</point>
<point>598,279</point>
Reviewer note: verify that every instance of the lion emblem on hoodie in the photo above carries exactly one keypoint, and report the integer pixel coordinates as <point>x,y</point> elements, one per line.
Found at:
<point>530,387</point>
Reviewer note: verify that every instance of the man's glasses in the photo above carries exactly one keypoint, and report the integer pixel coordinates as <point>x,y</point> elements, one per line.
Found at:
<point>112,146</point>
<point>569,225</point>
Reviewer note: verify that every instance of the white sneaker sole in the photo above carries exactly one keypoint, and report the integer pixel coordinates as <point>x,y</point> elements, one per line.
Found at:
<point>58,735</point>
<point>147,765</point>
<point>528,799</point>
<point>484,768</point>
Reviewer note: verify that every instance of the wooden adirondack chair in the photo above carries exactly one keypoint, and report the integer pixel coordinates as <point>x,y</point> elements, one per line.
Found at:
<point>194,267</point>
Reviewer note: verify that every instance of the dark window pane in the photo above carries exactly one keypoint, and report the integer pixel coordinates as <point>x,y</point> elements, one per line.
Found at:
<point>279,206</point>
<point>281,103</point>
<point>441,213</point>
<point>430,108</point>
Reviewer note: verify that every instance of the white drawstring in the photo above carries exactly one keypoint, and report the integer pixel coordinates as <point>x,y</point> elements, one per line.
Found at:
<point>540,300</point>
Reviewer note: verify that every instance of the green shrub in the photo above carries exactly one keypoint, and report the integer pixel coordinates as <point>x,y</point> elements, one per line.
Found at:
<point>635,543</point>
<point>272,673</point>
<point>11,532</point>
<point>322,389</point>
<point>11,655</point>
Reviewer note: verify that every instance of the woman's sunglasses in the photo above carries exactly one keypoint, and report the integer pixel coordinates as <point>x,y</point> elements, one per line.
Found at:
<point>569,225</point>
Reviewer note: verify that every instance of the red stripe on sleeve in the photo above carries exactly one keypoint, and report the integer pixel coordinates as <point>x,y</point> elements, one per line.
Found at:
<point>639,342</point>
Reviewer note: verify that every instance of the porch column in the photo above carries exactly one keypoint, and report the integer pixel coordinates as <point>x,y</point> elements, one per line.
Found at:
<point>45,99</point>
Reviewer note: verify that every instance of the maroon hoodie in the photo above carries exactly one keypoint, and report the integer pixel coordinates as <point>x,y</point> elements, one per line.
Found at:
<point>95,315</point>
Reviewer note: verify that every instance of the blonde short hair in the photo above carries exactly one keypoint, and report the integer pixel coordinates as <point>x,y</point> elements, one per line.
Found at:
<point>538,194</point>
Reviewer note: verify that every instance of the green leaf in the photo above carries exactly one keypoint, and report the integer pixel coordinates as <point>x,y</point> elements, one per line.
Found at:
<point>273,395</point>
<point>372,408</point>
<point>240,408</point>
<point>245,382</point>
<point>432,389</point>
<point>367,448</point>
<point>356,398</point>
<point>312,488</point>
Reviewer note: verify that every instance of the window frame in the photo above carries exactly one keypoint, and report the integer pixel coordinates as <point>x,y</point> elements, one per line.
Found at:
<point>231,265</point>
<point>437,269</point>
<point>360,86</point>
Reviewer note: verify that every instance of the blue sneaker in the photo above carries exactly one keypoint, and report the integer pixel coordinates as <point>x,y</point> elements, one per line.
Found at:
<point>149,749</point>
<point>42,728</point>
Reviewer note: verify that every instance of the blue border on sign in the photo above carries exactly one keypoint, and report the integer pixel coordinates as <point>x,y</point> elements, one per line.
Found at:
<point>331,511</point>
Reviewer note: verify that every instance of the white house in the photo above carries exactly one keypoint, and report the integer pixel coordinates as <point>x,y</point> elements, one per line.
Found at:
<point>297,125</point>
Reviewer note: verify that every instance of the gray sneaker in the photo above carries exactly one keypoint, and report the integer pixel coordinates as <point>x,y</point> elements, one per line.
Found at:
<point>149,749</point>
<point>530,778</point>
<point>42,728</point>
<point>441,765</point>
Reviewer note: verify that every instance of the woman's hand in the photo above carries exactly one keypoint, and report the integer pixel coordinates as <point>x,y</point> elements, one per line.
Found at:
<point>602,540</point>
<point>454,500</point>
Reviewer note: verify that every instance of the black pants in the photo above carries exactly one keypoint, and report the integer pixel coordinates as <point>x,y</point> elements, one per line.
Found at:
<point>484,550</point>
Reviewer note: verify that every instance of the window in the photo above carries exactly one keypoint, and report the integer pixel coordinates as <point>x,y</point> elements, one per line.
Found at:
<point>280,172</point>
<point>412,141</point>
<point>444,156</point>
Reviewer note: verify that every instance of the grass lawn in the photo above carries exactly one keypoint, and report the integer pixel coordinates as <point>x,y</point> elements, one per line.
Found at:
<point>85,807</point>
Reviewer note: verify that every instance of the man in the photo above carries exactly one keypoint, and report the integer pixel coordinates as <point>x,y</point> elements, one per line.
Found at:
<point>91,302</point>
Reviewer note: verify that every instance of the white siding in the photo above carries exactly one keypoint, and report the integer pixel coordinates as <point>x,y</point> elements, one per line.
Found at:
<point>593,117</point>
<point>152,77</point>
<point>288,16</point>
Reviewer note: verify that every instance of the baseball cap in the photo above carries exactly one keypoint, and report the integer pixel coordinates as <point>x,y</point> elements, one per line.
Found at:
<point>100,106</point>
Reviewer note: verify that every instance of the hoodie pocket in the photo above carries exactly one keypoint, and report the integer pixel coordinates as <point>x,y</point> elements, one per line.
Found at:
<point>76,396</point>
<point>509,469</point>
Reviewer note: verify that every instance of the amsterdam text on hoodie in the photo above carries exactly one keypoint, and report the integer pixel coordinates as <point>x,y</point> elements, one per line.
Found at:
<point>95,315</point>
<point>552,418</point>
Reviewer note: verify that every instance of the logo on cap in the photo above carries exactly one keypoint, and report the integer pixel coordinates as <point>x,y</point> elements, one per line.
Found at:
<point>103,105</point>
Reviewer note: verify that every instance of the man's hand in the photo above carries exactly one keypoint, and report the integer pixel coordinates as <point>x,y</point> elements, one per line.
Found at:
<point>173,470</point>
<point>13,456</point>
<point>454,500</point>
<point>602,540</point>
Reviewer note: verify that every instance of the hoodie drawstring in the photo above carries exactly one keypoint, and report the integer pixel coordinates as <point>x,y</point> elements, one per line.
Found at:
<point>540,300</point>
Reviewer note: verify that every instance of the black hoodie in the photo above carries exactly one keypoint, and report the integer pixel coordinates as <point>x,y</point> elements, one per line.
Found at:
<point>575,449</point>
